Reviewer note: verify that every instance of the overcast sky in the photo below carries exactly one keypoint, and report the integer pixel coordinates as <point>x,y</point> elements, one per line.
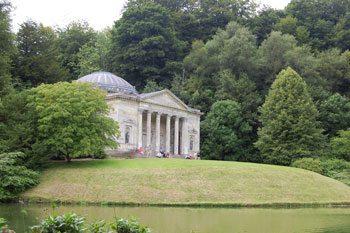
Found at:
<point>100,14</point>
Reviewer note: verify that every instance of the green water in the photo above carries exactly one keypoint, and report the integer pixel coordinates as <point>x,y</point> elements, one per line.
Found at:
<point>201,220</point>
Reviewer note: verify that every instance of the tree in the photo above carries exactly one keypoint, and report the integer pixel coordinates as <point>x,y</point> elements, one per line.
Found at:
<point>335,114</point>
<point>144,46</point>
<point>225,133</point>
<point>14,177</point>
<point>7,48</point>
<point>271,57</point>
<point>340,145</point>
<point>289,128</point>
<point>72,119</point>
<point>92,56</point>
<point>39,60</point>
<point>71,39</point>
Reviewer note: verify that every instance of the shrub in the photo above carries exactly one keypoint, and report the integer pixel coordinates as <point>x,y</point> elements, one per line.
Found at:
<point>71,223</point>
<point>132,226</point>
<point>334,165</point>
<point>340,145</point>
<point>14,177</point>
<point>309,164</point>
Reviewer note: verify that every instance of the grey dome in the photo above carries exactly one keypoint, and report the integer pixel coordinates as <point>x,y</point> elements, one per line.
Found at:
<point>109,82</point>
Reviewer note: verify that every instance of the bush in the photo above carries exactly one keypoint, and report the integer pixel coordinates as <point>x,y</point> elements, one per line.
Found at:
<point>71,223</point>
<point>132,226</point>
<point>14,177</point>
<point>340,145</point>
<point>74,223</point>
<point>334,165</point>
<point>309,164</point>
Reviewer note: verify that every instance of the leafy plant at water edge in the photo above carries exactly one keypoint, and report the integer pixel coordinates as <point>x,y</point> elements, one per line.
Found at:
<point>14,177</point>
<point>3,224</point>
<point>97,227</point>
<point>124,226</point>
<point>71,223</point>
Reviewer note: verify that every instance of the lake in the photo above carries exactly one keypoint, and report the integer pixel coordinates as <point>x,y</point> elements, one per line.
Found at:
<point>200,220</point>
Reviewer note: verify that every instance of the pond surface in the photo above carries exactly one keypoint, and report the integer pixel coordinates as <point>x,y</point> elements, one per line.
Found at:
<point>200,220</point>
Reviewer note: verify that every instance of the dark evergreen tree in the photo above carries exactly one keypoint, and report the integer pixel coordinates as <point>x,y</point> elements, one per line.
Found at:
<point>39,60</point>
<point>7,48</point>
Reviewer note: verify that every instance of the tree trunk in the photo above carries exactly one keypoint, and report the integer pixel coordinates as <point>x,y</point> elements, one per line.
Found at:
<point>67,158</point>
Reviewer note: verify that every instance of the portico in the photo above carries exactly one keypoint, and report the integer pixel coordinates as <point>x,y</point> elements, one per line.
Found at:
<point>173,127</point>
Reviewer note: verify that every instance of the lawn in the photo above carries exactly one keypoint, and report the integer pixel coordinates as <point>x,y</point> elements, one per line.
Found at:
<point>179,181</point>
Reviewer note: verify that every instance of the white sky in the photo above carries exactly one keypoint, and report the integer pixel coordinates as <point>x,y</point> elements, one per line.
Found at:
<point>100,14</point>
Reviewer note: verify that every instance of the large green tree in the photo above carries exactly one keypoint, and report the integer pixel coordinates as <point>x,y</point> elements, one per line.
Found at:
<point>144,46</point>
<point>38,59</point>
<point>6,48</point>
<point>225,133</point>
<point>289,127</point>
<point>71,39</point>
<point>72,119</point>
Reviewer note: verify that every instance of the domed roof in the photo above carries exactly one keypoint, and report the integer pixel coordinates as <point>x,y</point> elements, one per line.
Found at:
<point>109,82</point>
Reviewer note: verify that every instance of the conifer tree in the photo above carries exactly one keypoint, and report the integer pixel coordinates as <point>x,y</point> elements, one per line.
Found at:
<point>289,128</point>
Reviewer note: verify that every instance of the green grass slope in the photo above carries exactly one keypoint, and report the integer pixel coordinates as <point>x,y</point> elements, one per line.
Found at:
<point>176,181</point>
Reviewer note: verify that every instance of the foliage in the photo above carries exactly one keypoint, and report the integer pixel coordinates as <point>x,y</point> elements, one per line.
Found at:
<point>72,119</point>
<point>70,40</point>
<point>334,165</point>
<point>337,169</point>
<point>14,177</point>
<point>289,128</point>
<point>144,46</point>
<point>151,86</point>
<point>97,227</point>
<point>3,224</point>
<point>71,223</point>
<point>6,48</point>
<point>92,56</point>
<point>124,226</point>
<point>310,164</point>
<point>335,114</point>
<point>39,59</point>
<point>340,145</point>
<point>225,133</point>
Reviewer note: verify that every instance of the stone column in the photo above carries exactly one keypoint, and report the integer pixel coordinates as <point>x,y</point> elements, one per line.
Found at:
<point>184,143</point>
<point>176,136</point>
<point>167,144</point>
<point>139,129</point>
<point>149,117</point>
<point>158,132</point>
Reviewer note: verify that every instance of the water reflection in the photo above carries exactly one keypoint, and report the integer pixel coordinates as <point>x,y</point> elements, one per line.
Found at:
<point>201,220</point>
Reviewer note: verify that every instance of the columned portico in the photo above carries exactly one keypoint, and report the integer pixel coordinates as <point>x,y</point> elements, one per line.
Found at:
<point>170,125</point>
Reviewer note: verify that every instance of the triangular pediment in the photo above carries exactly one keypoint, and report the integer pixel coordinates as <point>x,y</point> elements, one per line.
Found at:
<point>165,98</point>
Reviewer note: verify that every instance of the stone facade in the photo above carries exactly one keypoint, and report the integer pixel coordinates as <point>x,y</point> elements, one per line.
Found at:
<point>159,120</point>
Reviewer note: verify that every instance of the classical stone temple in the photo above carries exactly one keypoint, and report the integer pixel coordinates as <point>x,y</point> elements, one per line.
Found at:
<point>158,120</point>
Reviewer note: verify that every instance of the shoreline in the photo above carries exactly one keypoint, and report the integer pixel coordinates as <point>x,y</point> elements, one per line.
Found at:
<point>42,201</point>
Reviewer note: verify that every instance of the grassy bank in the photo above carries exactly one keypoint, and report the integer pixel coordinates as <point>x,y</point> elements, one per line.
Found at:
<point>185,182</point>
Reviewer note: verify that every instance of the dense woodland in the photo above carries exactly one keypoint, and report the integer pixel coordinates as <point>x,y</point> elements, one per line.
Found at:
<point>274,85</point>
